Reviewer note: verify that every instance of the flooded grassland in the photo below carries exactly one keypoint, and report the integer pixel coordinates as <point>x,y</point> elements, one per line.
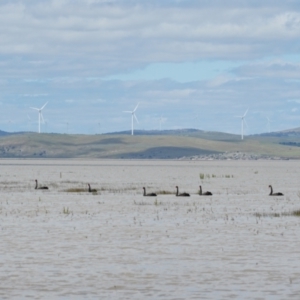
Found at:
<point>67,243</point>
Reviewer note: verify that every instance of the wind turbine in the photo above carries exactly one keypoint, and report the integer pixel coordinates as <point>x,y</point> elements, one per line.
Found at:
<point>67,123</point>
<point>243,121</point>
<point>132,116</point>
<point>268,124</point>
<point>40,114</point>
<point>161,120</point>
<point>196,121</point>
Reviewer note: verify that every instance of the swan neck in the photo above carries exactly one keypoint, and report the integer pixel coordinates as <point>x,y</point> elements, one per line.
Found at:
<point>271,192</point>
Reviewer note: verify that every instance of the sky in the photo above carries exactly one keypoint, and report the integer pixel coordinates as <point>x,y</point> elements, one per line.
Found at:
<point>188,63</point>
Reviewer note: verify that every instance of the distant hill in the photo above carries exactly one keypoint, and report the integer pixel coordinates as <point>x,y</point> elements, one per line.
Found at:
<point>284,133</point>
<point>169,144</point>
<point>292,130</point>
<point>3,133</point>
<point>210,135</point>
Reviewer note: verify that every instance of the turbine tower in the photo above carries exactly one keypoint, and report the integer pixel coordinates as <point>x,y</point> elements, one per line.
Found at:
<point>268,124</point>
<point>132,116</point>
<point>160,122</point>
<point>196,121</point>
<point>243,121</point>
<point>40,114</point>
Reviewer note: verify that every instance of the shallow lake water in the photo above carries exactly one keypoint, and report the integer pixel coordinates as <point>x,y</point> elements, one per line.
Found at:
<point>66,243</point>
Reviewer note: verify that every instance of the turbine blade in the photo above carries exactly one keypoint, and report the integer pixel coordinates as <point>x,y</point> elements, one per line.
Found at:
<point>245,112</point>
<point>136,107</point>
<point>245,123</point>
<point>35,108</point>
<point>127,111</point>
<point>44,105</point>
<point>42,118</point>
<point>135,117</point>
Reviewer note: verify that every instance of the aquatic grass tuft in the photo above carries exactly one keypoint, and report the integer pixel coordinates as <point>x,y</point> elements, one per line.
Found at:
<point>76,190</point>
<point>66,211</point>
<point>296,213</point>
<point>156,203</point>
<point>141,203</point>
<point>276,215</point>
<point>208,176</point>
<point>164,192</point>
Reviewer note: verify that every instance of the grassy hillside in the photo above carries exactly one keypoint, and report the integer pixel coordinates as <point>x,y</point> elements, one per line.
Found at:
<point>30,145</point>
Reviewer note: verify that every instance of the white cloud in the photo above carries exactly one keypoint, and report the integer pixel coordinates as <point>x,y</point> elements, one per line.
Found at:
<point>294,100</point>
<point>98,101</point>
<point>34,95</point>
<point>107,37</point>
<point>273,69</point>
<point>218,81</point>
<point>63,49</point>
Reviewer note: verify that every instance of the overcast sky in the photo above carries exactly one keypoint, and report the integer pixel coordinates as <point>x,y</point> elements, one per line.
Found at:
<point>195,64</point>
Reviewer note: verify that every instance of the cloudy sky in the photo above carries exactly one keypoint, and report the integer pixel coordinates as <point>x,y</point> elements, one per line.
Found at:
<point>193,63</point>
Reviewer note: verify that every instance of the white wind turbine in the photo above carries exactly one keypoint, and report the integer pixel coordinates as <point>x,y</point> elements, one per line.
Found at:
<point>29,123</point>
<point>67,123</point>
<point>161,120</point>
<point>268,124</point>
<point>243,121</point>
<point>132,116</point>
<point>196,121</point>
<point>40,114</point>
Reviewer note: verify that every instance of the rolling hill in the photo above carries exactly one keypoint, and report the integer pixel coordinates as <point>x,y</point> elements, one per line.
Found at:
<point>171,144</point>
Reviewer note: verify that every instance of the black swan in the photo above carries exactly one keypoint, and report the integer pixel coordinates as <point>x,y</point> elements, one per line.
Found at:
<point>150,194</point>
<point>204,194</point>
<point>275,194</point>
<point>91,190</point>
<point>182,194</point>
<point>41,187</point>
